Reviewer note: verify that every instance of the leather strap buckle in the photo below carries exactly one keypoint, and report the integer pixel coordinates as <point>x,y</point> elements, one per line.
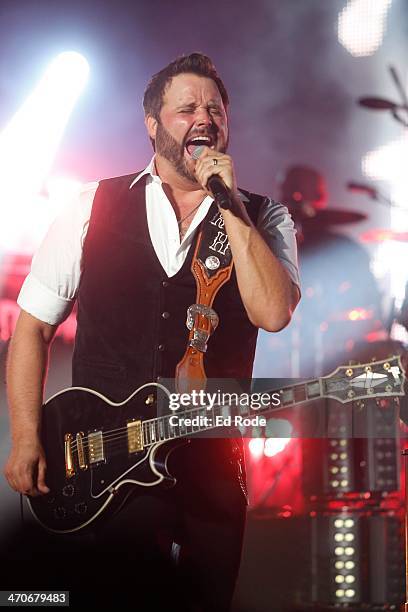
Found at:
<point>200,335</point>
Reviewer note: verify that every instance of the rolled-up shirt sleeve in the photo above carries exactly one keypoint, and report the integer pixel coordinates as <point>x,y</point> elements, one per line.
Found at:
<point>49,291</point>
<point>277,229</point>
<point>41,302</point>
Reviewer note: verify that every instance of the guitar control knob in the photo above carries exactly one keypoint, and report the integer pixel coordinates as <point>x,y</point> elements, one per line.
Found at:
<point>68,491</point>
<point>60,512</point>
<point>81,508</point>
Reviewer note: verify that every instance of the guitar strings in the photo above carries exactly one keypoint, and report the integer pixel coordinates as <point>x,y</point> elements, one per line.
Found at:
<point>114,433</point>
<point>120,436</point>
<point>122,432</point>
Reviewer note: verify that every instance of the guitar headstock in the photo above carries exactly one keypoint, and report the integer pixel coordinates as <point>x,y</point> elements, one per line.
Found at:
<point>376,379</point>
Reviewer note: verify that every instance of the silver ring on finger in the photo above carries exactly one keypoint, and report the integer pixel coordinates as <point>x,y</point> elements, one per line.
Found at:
<point>215,161</point>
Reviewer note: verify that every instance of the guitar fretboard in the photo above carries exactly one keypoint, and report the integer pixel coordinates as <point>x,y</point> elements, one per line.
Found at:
<point>202,418</point>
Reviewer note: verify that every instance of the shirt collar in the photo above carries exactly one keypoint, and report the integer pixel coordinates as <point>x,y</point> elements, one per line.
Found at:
<point>150,170</point>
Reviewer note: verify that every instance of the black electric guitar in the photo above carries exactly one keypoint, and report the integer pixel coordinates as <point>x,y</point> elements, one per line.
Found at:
<point>97,449</point>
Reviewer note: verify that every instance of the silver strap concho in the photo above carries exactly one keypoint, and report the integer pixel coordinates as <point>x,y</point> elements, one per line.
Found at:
<point>200,337</point>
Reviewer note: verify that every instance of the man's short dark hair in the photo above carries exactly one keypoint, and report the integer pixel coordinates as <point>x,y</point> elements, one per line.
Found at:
<point>195,63</point>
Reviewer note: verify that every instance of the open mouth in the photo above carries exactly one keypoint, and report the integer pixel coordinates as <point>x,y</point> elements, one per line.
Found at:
<point>199,141</point>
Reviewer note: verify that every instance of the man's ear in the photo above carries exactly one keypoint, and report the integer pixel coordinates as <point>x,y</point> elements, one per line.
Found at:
<point>151,125</point>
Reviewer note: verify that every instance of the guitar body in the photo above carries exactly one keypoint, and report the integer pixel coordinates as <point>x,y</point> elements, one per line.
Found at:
<point>77,499</point>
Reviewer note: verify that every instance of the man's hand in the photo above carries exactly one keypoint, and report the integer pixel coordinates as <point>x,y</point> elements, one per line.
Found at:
<point>26,371</point>
<point>213,162</point>
<point>26,467</point>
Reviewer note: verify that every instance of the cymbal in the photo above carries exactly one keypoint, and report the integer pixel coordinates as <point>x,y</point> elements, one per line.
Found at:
<point>329,216</point>
<point>383,235</point>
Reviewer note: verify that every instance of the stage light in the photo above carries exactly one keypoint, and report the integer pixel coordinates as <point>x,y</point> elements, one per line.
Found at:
<point>336,460</point>
<point>277,433</point>
<point>368,572</point>
<point>269,447</point>
<point>273,446</point>
<point>387,163</point>
<point>361,26</point>
<point>344,532</point>
<point>359,314</point>
<point>367,461</point>
<point>256,447</point>
<point>29,142</point>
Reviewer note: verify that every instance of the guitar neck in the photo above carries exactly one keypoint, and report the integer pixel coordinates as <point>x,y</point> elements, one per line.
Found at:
<point>346,384</point>
<point>204,418</point>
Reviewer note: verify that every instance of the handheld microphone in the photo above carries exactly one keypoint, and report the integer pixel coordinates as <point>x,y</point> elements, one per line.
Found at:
<point>215,184</point>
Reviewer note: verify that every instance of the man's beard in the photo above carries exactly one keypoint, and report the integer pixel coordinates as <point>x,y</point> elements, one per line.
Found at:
<point>170,149</point>
<point>173,151</point>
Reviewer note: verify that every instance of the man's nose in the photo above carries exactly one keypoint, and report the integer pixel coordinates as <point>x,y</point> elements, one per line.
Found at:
<point>203,117</point>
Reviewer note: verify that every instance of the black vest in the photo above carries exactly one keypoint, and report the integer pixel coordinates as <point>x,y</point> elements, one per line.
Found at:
<point>131,316</point>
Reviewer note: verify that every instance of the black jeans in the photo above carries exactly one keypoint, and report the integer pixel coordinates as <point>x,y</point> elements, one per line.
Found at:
<point>170,549</point>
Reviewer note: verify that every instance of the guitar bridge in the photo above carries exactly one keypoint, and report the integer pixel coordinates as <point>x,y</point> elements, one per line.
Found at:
<point>135,436</point>
<point>69,462</point>
<point>81,451</point>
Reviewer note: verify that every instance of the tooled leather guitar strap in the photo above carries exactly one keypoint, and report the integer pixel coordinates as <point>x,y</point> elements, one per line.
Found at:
<point>211,267</point>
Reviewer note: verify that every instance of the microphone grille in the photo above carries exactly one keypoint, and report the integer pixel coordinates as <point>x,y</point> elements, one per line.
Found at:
<point>197,152</point>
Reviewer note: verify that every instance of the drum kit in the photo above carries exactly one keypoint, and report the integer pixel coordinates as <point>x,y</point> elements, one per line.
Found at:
<point>324,218</point>
<point>318,220</point>
<point>342,304</point>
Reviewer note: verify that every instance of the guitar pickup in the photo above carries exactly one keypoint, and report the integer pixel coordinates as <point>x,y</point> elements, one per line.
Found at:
<point>95,447</point>
<point>135,436</point>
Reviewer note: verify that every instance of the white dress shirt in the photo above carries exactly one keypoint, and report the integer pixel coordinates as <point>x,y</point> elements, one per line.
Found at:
<point>49,291</point>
